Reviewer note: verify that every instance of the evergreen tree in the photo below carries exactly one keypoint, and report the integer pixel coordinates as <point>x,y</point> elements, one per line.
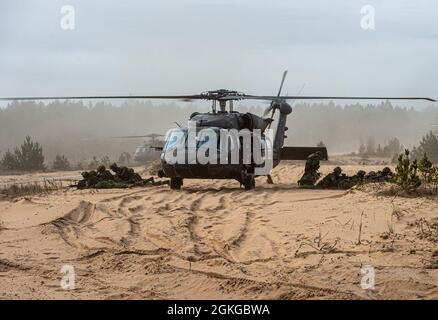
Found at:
<point>429,146</point>
<point>393,148</point>
<point>61,163</point>
<point>406,173</point>
<point>30,156</point>
<point>425,166</point>
<point>379,151</point>
<point>371,147</point>
<point>9,162</point>
<point>362,149</point>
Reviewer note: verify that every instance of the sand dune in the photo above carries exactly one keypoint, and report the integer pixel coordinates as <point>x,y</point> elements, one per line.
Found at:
<point>215,240</point>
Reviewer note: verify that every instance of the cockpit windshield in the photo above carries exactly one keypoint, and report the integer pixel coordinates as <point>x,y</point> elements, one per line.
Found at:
<point>210,138</point>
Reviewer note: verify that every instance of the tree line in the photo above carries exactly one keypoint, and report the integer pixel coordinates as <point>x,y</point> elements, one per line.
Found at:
<point>80,131</point>
<point>29,155</point>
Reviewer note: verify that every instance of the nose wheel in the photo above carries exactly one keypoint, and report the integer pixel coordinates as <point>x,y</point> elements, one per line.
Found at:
<point>248,181</point>
<point>176,183</point>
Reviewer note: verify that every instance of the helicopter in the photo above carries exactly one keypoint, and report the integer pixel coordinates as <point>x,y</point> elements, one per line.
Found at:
<point>253,145</point>
<point>149,149</point>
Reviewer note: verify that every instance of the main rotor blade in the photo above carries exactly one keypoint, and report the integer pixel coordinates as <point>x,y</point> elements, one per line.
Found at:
<point>144,136</point>
<point>226,97</point>
<point>186,97</point>
<point>251,97</point>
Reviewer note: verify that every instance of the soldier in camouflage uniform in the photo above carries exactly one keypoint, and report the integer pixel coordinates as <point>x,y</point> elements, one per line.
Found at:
<point>124,178</point>
<point>311,174</point>
<point>380,176</point>
<point>125,174</point>
<point>339,180</point>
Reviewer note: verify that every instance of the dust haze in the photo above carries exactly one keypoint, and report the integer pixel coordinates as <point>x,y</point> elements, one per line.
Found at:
<point>125,48</point>
<point>80,131</point>
<point>266,237</point>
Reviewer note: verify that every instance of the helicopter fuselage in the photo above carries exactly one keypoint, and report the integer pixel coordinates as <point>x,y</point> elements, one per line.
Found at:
<point>215,164</point>
<point>237,158</point>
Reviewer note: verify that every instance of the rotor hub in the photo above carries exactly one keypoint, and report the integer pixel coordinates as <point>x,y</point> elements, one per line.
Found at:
<point>223,95</point>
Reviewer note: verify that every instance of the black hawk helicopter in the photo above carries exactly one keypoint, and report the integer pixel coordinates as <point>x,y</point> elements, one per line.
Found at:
<point>149,149</point>
<point>224,117</point>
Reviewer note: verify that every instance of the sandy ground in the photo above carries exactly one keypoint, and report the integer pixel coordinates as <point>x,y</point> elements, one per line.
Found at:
<point>214,240</point>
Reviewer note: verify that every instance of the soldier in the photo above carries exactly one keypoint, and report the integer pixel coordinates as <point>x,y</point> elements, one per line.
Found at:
<point>380,176</point>
<point>124,178</point>
<point>332,179</point>
<point>311,174</point>
<point>104,174</point>
<point>125,174</point>
<point>338,180</point>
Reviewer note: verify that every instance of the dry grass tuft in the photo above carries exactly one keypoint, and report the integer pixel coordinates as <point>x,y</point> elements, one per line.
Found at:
<point>319,245</point>
<point>34,188</point>
<point>427,229</point>
<point>392,190</point>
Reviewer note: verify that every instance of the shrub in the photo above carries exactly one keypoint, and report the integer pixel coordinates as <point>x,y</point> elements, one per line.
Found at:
<point>9,162</point>
<point>428,145</point>
<point>95,163</point>
<point>19,190</point>
<point>406,173</point>
<point>392,149</point>
<point>426,168</point>
<point>61,163</point>
<point>28,157</point>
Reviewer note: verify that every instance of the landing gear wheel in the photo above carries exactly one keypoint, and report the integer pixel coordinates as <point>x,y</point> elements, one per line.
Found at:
<point>249,181</point>
<point>176,183</point>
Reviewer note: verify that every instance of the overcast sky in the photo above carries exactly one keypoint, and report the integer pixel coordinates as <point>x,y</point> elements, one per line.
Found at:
<point>178,46</point>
